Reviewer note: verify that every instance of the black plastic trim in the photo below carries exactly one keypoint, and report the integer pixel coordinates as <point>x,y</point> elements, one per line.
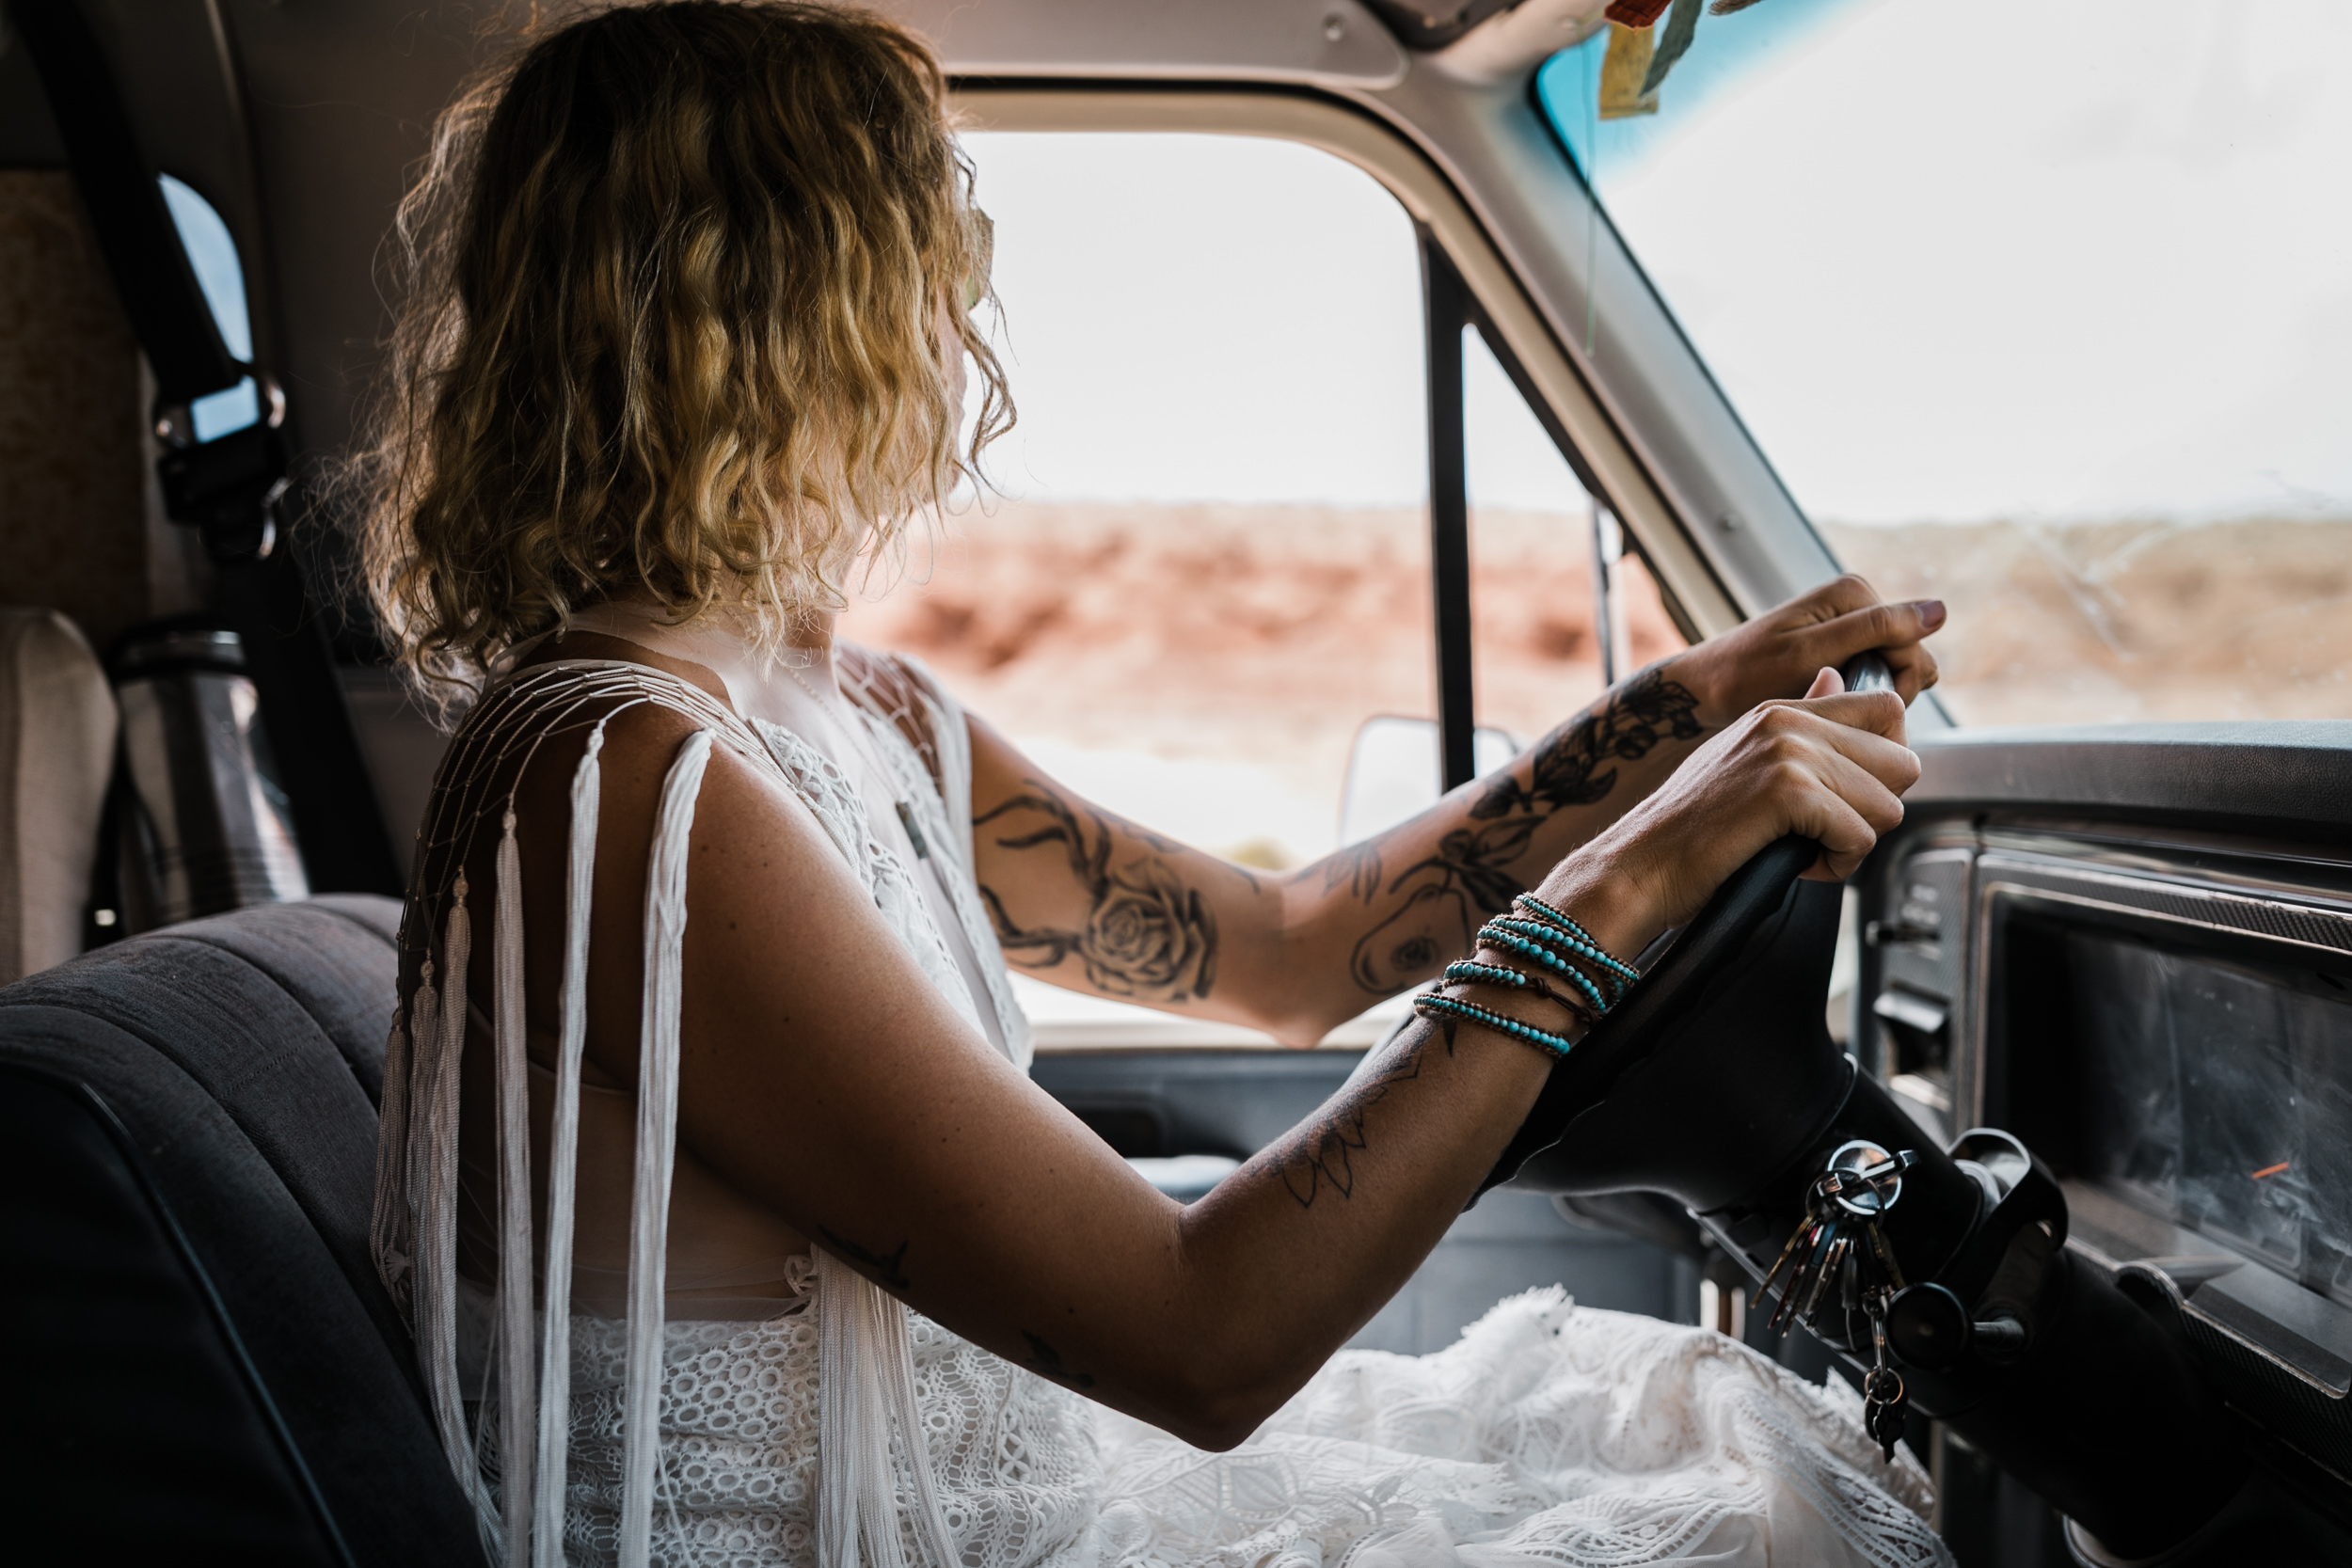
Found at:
<point>1446,309</point>
<point>136,237</point>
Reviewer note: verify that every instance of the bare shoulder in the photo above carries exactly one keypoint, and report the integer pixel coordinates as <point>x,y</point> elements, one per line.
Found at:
<point>738,802</point>
<point>745,817</point>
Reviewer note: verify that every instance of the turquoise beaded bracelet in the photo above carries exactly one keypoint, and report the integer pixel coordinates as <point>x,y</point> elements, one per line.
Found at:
<point>1469,971</point>
<point>1618,976</point>
<point>1430,1004</point>
<point>1529,903</point>
<point>1509,941</point>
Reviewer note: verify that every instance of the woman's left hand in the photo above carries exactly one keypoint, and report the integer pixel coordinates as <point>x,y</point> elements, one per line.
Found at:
<point>1776,655</point>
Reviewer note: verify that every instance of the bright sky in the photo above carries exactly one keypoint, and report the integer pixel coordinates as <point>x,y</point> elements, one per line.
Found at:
<point>1210,318</point>
<point>1951,258</point>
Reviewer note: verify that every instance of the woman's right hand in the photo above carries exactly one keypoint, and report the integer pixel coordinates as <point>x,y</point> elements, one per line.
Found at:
<point>1831,766</point>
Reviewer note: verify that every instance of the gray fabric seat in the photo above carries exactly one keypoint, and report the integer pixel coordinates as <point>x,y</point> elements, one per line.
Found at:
<point>187,1140</point>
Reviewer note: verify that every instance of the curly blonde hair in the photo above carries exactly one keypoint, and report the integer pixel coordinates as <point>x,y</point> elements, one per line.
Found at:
<point>671,290</point>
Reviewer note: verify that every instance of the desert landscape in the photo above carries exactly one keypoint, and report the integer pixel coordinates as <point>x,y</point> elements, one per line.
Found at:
<point>1204,668</point>
<point>2120,621</point>
<point>1239,646</point>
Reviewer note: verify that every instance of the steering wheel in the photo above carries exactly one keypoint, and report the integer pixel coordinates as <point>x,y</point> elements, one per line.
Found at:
<point>1717,1070</point>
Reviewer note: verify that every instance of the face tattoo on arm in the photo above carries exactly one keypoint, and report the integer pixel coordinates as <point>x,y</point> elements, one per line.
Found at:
<point>1448,894</point>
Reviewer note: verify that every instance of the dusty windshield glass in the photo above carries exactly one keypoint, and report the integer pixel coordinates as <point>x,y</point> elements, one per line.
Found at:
<point>2042,310</point>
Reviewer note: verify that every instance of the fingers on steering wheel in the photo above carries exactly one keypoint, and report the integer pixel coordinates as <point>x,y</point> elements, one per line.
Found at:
<point>1842,754</point>
<point>1879,713</point>
<point>1844,835</point>
<point>1911,663</point>
<point>1846,595</point>
<point>1877,747</point>
<point>1914,671</point>
<point>1852,810</point>
<point>1893,630</point>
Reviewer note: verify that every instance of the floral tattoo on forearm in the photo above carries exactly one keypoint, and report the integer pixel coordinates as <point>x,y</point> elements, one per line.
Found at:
<point>1470,876</point>
<point>1319,1155</point>
<point>1147,933</point>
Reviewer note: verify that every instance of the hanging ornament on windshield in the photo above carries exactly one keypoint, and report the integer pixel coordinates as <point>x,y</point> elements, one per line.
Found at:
<point>1621,73</point>
<point>1641,53</point>
<point>1682,25</point>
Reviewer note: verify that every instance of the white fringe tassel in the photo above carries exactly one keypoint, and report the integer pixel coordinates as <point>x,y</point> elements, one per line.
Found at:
<point>392,1224</point>
<point>517,1393</point>
<point>555,1361</point>
<point>656,1142</point>
<point>437,1221</point>
<point>868,1380</point>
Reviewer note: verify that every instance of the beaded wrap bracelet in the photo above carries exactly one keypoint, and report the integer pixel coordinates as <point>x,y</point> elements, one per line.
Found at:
<point>1496,934</point>
<point>1560,944</point>
<point>1545,912</point>
<point>1429,1003</point>
<point>1508,940</point>
<point>1617,976</point>
<point>1469,971</point>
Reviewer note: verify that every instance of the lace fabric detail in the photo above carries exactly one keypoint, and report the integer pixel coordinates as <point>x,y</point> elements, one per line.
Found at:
<point>918,772</point>
<point>1548,1437</point>
<point>835,801</point>
<point>1014,1456</point>
<point>897,691</point>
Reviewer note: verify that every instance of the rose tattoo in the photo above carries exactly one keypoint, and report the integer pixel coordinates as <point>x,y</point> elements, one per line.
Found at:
<point>1145,932</point>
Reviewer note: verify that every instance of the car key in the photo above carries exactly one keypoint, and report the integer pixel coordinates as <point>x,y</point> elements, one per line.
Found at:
<point>1883,1395</point>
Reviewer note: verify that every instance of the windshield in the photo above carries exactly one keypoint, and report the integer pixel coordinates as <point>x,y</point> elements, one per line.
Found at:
<point>2042,310</point>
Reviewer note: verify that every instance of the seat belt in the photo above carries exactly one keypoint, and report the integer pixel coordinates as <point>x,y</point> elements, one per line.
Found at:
<point>229,489</point>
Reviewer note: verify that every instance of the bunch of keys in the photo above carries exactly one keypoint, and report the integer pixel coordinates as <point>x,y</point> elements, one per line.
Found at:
<point>1838,1246</point>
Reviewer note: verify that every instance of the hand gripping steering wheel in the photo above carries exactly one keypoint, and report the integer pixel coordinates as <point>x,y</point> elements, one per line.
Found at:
<point>1717,1068</point>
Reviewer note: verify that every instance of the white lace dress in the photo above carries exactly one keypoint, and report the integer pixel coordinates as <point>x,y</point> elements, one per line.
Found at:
<point>849,1430</point>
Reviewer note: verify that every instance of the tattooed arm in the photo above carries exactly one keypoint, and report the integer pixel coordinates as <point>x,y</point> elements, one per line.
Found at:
<point>1091,901</point>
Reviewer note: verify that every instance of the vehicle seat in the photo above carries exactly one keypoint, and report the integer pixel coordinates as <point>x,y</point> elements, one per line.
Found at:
<point>57,752</point>
<point>203,1363</point>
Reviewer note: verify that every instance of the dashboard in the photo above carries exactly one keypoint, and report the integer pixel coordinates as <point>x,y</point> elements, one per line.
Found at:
<point>2158,1001</point>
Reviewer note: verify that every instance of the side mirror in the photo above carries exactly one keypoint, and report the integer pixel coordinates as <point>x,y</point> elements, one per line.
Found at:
<point>1394,772</point>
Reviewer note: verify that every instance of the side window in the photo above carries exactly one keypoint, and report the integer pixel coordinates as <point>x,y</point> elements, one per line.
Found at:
<point>1208,562</point>
<point>1201,595</point>
<point>212,257</point>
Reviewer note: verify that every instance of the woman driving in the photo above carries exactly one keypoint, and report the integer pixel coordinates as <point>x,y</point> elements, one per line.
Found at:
<point>712,1182</point>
